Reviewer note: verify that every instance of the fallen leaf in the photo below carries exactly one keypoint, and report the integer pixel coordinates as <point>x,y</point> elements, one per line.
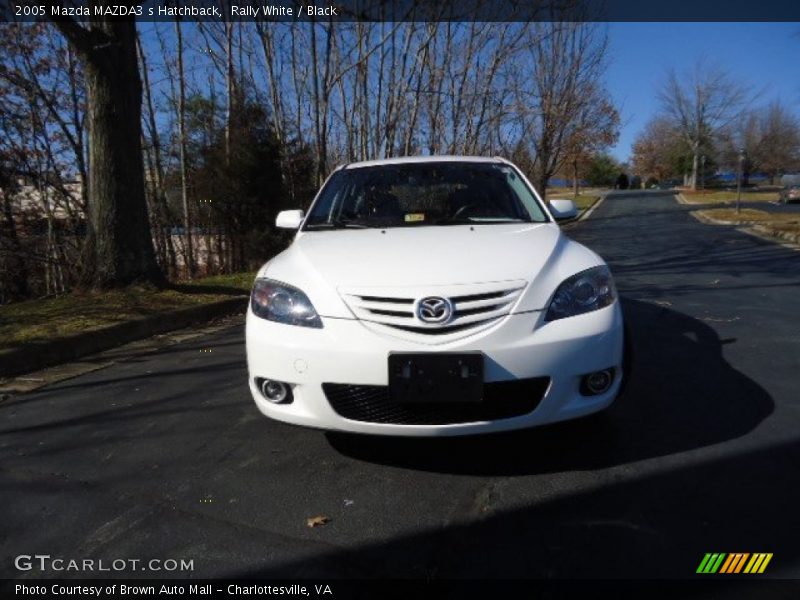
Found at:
<point>317,521</point>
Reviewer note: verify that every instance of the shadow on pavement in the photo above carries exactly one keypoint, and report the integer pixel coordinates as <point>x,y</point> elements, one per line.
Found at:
<point>676,255</point>
<point>658,525</point>
<point>682,396</point>
<point>57,389</point>
<point>739,261</point>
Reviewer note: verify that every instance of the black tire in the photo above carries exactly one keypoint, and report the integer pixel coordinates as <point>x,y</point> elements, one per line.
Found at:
<point>627,361</point>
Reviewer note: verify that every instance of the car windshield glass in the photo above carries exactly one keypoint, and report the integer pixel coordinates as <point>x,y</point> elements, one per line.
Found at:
<point>419,194</point>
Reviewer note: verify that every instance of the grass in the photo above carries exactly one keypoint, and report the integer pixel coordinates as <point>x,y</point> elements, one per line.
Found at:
<point>788,226</point>
<point>238,281</point>
<point>49,318</point>
<point>727,196</point>
<point>584,200</point>
<point>750,215</point>
<point>777,222</point>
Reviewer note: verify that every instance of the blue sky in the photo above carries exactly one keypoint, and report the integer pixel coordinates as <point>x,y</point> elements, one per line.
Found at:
<point>765,55</point>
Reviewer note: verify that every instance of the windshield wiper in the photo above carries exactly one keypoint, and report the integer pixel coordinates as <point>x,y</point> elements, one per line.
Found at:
<point>477,221</point>
<point>337,224</point>
<point>449,221</point>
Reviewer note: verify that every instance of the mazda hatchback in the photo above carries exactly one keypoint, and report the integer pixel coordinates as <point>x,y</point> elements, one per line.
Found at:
<point>432,296</point>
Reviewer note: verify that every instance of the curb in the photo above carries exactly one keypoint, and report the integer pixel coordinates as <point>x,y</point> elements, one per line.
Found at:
<point>712,221</point>
<point>684,200</point>
<point>764,232</point>
<point>585,214</point>
<point>785,236</point>
<point>39,355</point>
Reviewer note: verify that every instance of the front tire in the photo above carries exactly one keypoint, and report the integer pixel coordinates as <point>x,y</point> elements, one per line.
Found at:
<point>627,362</point>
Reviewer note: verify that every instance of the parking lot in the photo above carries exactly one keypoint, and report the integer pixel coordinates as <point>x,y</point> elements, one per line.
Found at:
<point>166,456</point>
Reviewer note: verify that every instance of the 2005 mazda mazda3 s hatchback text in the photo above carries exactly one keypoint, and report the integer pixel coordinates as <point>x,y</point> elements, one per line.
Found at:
<point>432,296</point>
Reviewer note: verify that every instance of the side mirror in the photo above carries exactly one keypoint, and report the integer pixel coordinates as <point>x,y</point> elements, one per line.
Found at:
<point>289,219</point>
<point>563,209</point>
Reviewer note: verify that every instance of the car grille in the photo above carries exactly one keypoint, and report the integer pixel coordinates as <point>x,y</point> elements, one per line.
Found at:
<point>483,305</point>
<point>371,404</point>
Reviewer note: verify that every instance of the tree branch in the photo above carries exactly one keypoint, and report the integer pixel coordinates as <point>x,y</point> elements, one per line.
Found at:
<point>76,35</point>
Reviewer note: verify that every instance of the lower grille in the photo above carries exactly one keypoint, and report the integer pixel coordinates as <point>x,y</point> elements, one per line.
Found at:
<point>371,404</point>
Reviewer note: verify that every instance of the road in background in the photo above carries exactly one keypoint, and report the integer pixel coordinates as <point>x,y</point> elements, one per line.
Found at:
<point>165,455</point>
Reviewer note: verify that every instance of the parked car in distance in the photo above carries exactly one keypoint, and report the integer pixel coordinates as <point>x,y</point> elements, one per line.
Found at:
<point>432,296</point>
<point>790,193</point>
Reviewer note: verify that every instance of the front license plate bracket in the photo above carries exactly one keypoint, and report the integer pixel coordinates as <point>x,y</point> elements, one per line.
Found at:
<point>436,377</point>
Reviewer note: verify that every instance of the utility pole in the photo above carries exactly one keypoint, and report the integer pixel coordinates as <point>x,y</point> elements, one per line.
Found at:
<point>742,157</point>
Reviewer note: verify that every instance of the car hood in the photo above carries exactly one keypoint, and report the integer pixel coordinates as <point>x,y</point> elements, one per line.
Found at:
<point>420,258</point>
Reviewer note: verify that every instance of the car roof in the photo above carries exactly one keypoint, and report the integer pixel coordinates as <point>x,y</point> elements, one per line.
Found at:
<point>400,160</point>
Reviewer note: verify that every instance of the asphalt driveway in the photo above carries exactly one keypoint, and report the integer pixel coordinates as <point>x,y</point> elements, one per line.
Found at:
<point>166,456</point>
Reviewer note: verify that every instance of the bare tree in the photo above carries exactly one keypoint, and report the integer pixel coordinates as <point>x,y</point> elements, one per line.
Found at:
<point>553,97</point>
<point>770,137</point>
<point>153,152</point>
<point>779,151</point>
<point>120,248</point>
<point>656,150</point>
<point>42,117</point>
<point>699,104</point>
<point>181,110</point>
<point>596,128</point>
<point>330,92</point>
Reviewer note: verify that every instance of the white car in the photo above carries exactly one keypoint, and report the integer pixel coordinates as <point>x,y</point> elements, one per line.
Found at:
<point>432,296</point>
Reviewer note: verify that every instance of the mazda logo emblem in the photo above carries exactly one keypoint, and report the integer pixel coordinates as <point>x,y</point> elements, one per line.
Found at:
<point>434,310</point>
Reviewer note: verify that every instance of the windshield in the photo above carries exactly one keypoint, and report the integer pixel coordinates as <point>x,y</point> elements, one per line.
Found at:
<point>418,194</point>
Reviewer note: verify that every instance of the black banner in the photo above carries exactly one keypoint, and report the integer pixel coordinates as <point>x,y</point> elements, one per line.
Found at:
<point>405,10</point>
<point>701,587</point>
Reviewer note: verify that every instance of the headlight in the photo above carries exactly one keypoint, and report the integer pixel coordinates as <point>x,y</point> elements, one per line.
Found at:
<point>587,291</point>
<point>276,301</point>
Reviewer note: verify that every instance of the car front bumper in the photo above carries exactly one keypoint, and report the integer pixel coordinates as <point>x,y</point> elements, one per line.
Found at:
<point>520,346</point>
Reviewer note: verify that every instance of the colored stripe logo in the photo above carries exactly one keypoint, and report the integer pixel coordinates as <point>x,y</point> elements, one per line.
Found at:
<point>735,562</point>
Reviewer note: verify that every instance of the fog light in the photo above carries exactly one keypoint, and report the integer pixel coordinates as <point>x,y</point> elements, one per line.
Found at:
<point>276,392</point>
<point>597,382</point>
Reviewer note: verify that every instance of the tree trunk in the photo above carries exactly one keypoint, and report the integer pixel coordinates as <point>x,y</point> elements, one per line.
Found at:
<point>164,219</point>
<point>316,96</point>
<point>695,167</point>
<point>229,89</point>
<point>542,187</point>
<point>187,221</point>
<point>120,248</point>
<point>575,178</point>
<point>15,263</point>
